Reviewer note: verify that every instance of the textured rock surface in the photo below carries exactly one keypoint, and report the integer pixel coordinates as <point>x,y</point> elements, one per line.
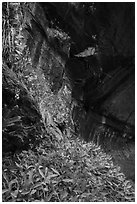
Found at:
<point>103,84</point>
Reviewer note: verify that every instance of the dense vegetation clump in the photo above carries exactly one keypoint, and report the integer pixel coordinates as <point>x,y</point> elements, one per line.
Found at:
<point>64,170</point>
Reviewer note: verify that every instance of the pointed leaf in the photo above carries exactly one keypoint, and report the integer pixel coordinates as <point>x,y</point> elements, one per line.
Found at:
<point>55,171</point>
<point>68,180</point>
<point>41,173</point>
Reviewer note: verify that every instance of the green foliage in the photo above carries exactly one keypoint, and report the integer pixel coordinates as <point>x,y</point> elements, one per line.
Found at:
<point>69,171</point>
<point>13,43</point>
